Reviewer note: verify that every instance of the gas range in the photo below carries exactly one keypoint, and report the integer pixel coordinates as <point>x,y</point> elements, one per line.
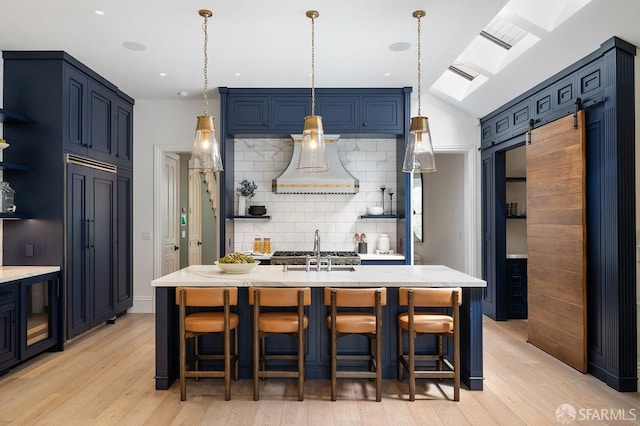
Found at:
<point>300,257</point>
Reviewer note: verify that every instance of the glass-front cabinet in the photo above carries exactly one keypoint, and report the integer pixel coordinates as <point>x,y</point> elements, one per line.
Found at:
<point>39,310</point>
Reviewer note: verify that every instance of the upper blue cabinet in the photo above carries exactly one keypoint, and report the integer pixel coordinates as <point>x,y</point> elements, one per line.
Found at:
<point>343,111</point>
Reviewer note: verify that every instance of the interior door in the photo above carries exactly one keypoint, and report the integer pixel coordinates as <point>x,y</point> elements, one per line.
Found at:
<point>171,217</point>
<point>556,243</point>
<point>195,218</point>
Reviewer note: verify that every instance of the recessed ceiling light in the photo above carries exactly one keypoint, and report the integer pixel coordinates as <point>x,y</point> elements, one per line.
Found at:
<point>387,74</point>
<point>400,46</point>
<point>132,45</point>
<point>237,74</point>
<point>99,12</point>
<point>163,74</point>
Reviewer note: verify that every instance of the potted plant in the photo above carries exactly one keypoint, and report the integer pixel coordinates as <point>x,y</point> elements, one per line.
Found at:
<point>245,190</point>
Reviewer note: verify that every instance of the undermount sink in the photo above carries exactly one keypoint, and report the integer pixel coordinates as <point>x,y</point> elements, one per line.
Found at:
<point>334,268</point>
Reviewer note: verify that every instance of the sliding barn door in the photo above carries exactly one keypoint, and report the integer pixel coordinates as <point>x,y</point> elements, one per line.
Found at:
<point>556,245</point>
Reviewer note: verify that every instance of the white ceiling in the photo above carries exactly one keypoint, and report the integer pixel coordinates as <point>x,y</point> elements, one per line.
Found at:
<point>269,43</point>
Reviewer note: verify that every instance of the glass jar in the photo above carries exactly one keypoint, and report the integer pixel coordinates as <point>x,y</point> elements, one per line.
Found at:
<point>257,245</point>
<point>267,245</point>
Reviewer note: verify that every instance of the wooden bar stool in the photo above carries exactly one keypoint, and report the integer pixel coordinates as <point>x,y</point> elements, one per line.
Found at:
<point>419,323</point>
<point>218,322</point>
<point>368,324</point>
<point>292,323</point>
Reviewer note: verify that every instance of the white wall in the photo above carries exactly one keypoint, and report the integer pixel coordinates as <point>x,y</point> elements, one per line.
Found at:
<point>157,124</point>
<point>444,214</point>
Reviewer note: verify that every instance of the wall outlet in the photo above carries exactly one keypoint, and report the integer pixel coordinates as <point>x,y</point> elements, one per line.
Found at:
<point>28,250</point>
<point>146,235</point>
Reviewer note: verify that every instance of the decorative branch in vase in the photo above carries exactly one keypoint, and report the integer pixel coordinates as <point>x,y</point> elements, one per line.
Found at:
<point>245,190</point>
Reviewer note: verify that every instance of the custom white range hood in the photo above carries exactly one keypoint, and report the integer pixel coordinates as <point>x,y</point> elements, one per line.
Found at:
<point>336,180</point>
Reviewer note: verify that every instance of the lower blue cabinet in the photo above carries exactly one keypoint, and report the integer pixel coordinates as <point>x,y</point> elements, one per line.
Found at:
<point>29,319</point>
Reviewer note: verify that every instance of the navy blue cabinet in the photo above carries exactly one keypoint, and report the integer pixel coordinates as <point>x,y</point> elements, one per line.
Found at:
<point>29,318</point>
<point>123,288</point>
<point>79,147</point>
<point>74,127</point>
<point>517,288</point>
<point>248,114</point>
<point>380,114</point>
<point>88,116</point>
<point>91,275</point>
<point>339,113</point>
<point>39,315</point>
<point>8,321</point>
<point>124,133</point>
<point>288,112</point>
<point>343,112</point>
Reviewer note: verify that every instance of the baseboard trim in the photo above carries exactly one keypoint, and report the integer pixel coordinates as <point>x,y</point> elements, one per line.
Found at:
<point>142,305</point>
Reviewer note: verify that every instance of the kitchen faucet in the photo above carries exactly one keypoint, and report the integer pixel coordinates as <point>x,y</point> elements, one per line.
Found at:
<point>316,247</point>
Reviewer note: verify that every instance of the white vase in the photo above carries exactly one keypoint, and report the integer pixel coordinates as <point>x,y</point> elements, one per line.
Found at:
<point>242,205</point>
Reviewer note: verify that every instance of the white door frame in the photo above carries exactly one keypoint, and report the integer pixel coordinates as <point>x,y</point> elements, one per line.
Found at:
<point>158,210</point>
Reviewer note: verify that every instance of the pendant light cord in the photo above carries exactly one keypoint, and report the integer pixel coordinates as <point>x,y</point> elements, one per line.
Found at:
<point>419,68</point>
<point>313,66</point>
<point>206,62</point>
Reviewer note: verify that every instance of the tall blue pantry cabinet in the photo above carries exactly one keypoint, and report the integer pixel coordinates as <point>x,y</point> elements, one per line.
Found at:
<point>78,192</point>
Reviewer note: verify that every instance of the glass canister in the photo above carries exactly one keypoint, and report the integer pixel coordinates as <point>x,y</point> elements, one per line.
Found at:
<point>257,245</point>
<point>7,194</point>
<point>267,245</point>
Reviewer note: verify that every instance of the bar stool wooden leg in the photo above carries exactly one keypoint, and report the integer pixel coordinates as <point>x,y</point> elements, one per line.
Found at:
<point>412,350</point>
<point>400,355</point>
<point>183,353</point>
<point>378,347</point>
<point>334,360</point>
<point>256,347</point>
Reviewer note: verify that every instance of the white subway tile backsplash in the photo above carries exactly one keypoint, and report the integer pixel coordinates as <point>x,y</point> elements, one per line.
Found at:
<point>295,217</point>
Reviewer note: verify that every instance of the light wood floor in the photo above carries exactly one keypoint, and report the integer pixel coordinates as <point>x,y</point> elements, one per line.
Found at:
<point>106,377</point>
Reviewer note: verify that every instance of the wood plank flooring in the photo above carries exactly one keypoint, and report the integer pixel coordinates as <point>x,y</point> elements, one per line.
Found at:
<point>105,377</point>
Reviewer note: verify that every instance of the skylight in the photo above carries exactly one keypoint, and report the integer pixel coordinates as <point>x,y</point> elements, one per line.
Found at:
<point>503,33</point>
<point>463,71</point>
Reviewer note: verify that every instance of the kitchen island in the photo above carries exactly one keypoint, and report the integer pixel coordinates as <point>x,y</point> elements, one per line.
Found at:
<point>317,357</point>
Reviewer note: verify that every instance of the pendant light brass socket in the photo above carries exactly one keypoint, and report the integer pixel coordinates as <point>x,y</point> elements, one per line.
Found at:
<point>205,123</point>
<point>313,123</point>
<point>205,13</point>
<point>419,124</point>
<point>312,14</point>
<point>419,14</point>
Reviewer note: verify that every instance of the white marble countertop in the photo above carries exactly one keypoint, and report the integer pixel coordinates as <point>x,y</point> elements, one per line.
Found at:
<point>362,276</point>
<point>13,273</point>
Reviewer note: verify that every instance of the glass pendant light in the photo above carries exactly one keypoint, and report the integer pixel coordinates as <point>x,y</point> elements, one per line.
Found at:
<point>206,151</point>
<point>418,157</point>
<point>313,153</point>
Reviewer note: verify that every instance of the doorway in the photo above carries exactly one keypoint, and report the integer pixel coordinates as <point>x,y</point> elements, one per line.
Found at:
<point>448,220</point>
<point>210,220</point>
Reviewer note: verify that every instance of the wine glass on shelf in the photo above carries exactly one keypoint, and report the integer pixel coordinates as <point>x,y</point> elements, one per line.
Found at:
<point>390,202</point>
<point>382,188</point>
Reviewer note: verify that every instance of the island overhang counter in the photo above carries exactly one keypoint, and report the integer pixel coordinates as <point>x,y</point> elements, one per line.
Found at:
<point>317,357</point>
